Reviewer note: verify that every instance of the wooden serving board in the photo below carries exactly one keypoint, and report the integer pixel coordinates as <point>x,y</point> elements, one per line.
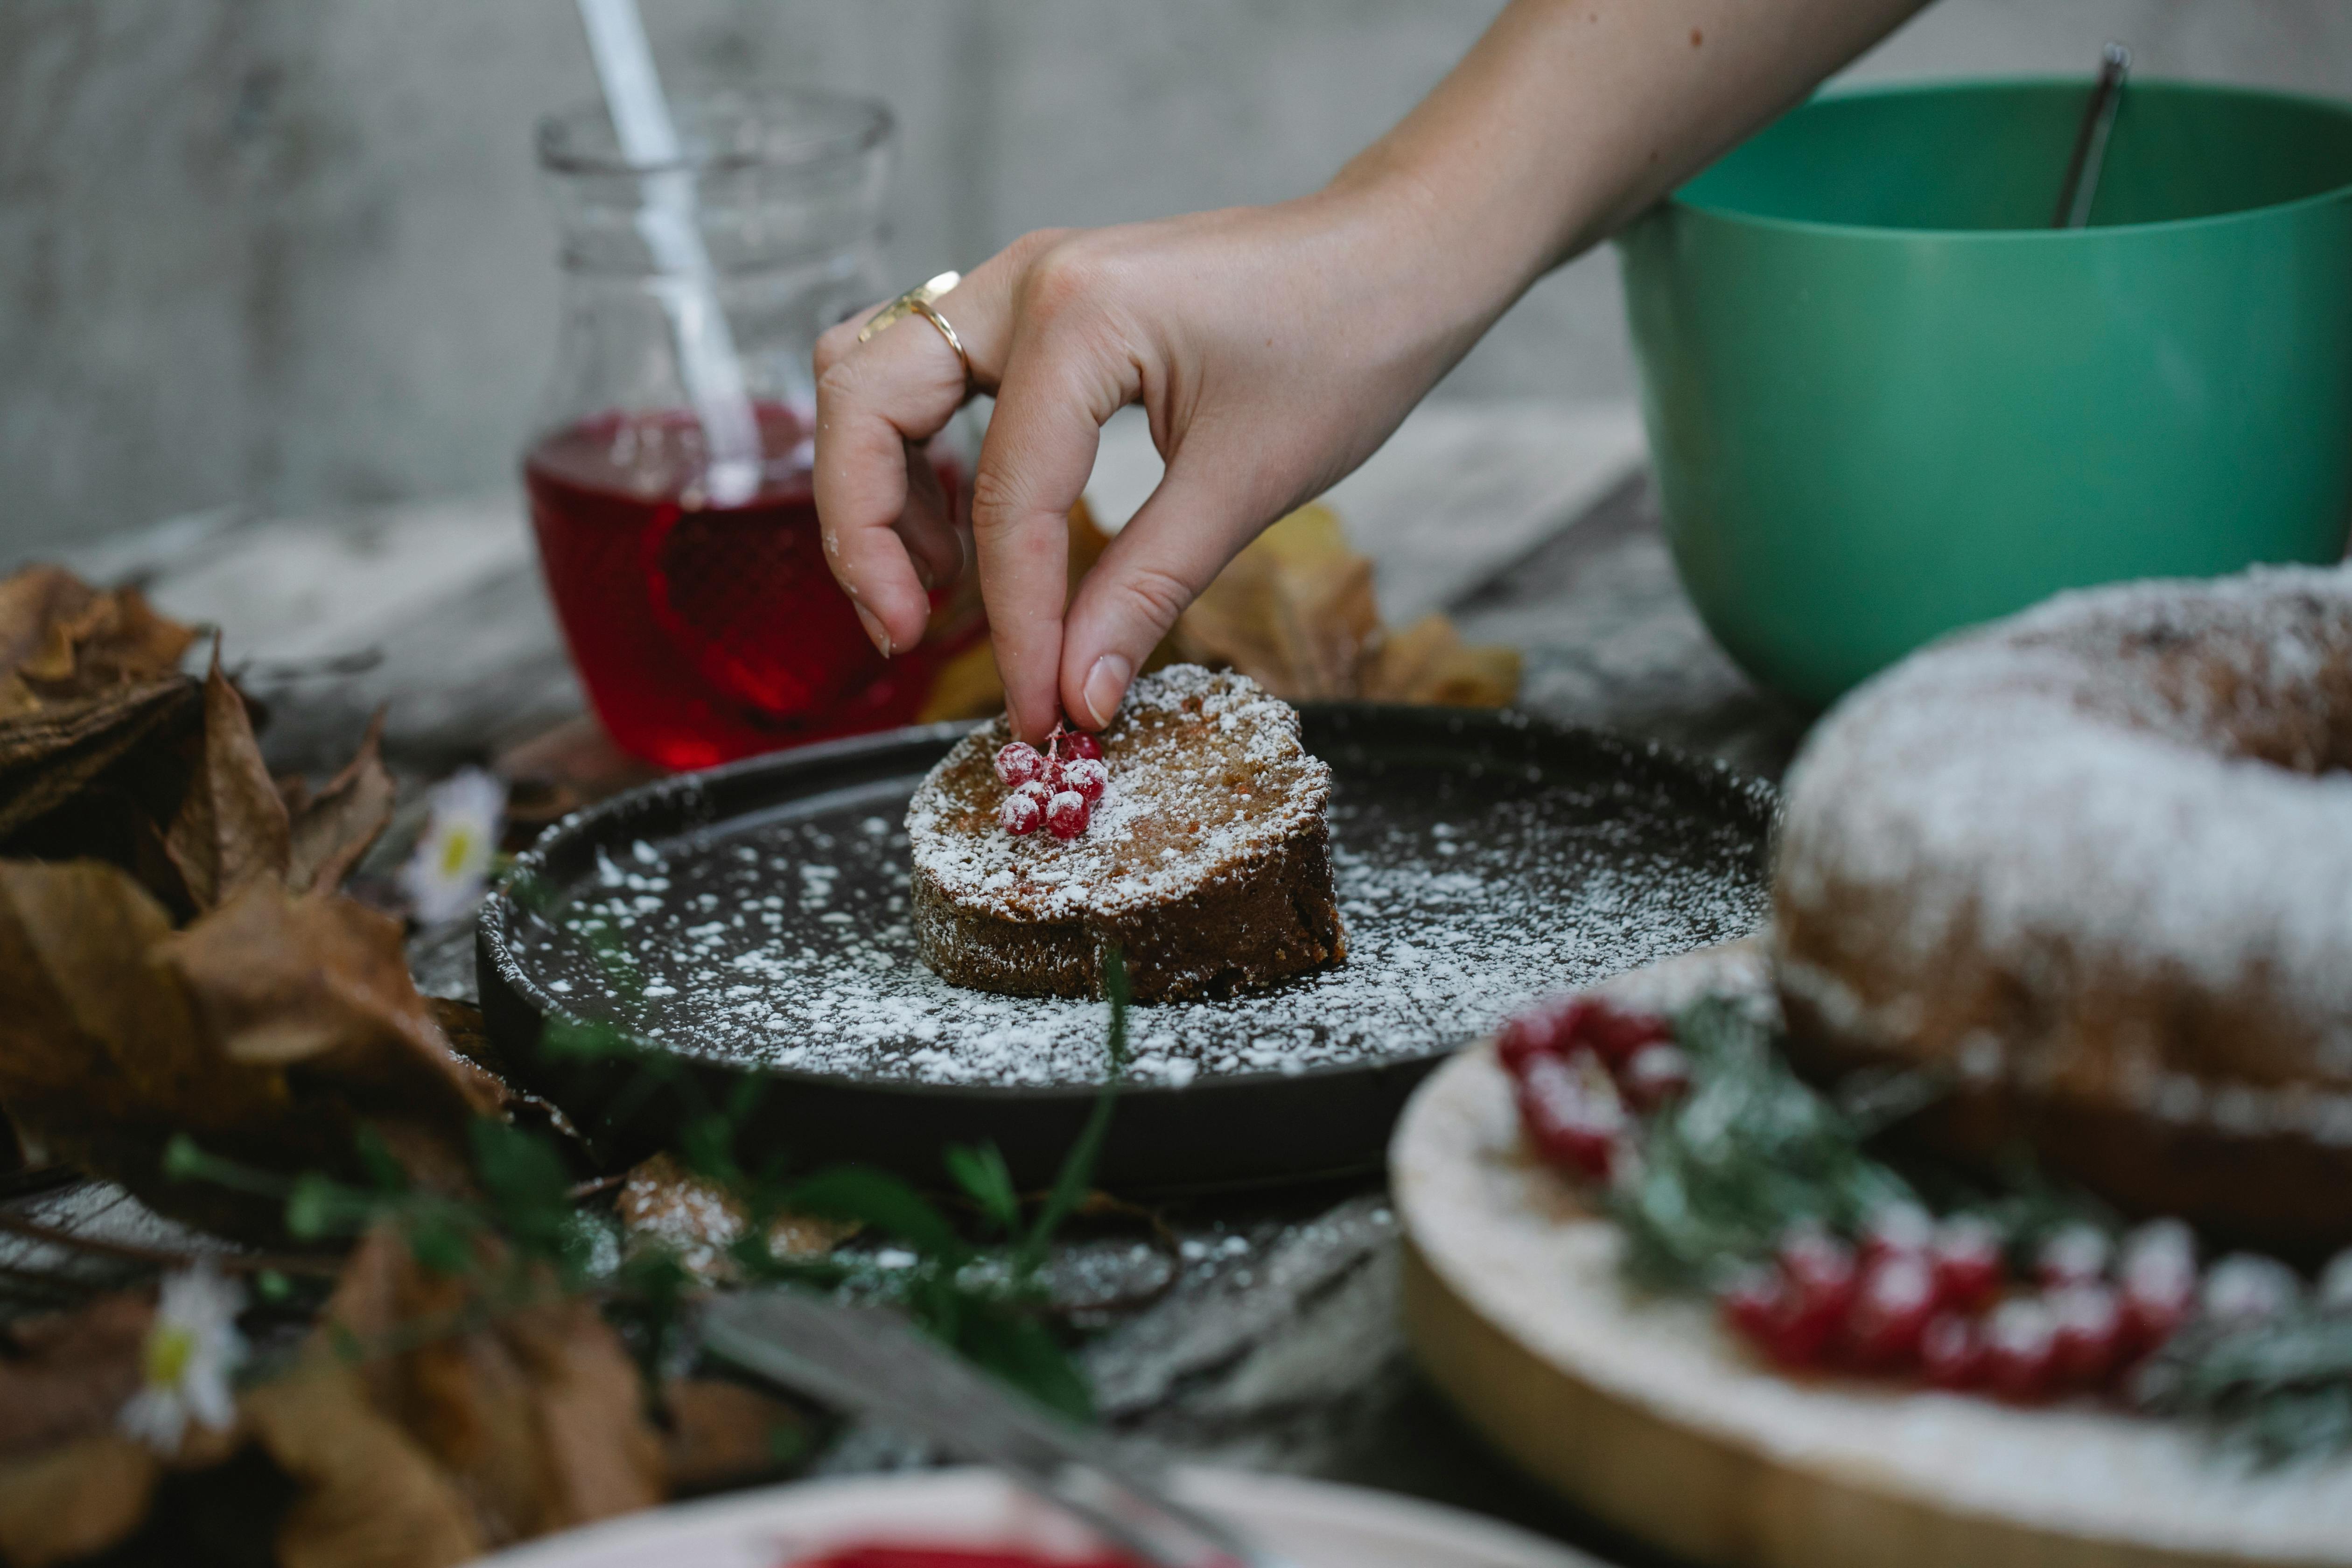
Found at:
<point>1643,1411</point>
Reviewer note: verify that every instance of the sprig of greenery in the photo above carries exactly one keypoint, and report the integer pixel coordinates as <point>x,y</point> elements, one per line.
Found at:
<point>983,1298</point>
<point>958,1292</point>
<point>2281,1389</point>
<point>1751,1152</point>
<point>1748,1152</point>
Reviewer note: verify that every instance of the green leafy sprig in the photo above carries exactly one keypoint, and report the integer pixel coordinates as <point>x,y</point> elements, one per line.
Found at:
<point>1750,1151</point>
<point>2280,1388</point>
<point>980,1295</point>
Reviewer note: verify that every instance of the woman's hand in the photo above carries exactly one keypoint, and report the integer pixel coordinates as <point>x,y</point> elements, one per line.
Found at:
<point>1274,348</point>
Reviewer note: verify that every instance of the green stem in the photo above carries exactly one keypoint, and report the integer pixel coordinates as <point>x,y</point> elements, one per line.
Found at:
<point>1077,1172</point>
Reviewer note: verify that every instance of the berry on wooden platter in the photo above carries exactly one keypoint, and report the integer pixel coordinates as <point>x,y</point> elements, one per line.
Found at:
<point>1708,1310</point>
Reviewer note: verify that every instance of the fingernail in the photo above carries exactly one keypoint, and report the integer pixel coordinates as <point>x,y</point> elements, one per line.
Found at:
<point>1106,684</point>
<point>874,629</point>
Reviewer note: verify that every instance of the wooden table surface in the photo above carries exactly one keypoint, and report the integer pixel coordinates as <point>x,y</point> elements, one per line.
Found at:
<point>1270,1339</point>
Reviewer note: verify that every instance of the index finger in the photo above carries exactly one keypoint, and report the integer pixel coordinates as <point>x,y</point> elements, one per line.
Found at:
<point>873,400</point>
<point>1034,465</point>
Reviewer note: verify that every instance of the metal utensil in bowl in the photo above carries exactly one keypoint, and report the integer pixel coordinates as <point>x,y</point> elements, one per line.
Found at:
<point>870,1361</point>
<point>2082,187</point>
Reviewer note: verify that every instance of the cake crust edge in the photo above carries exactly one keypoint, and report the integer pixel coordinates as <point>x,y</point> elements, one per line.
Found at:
<point>1235,933</point>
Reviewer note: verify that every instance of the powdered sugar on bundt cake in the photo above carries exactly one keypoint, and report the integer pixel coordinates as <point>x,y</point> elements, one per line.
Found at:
<point>1214,811</point>
<point>2098,856</point>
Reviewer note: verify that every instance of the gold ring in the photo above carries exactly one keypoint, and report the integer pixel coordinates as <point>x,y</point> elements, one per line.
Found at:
<point>917,301</point>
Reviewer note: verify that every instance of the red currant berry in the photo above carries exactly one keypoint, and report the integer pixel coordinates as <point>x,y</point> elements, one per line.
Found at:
<point>1086,776</point>
<point>1067,813</point>
<point>2073,1255</point>
<point>1079,743</point>
<point>1763,1308</point>
<point>1751,1305</point>
<point>1890,1311</point>
<point>1769,1311</point>
<point>1543,1030</point>
<point>2090,1333</point>
<point>1020,814</point>
<point>1571,1114</point>
<point>1819,1270</point>
<point>1019,763</point>
<point>1615,1033</point>
<point>1952,1352</point>
<point>2247,1288</point>
<point>1656,1074</point>
<point>1899,1228</point>
<point>1967,1256</point>
<point>2022,1348</point>
<point>2158,1271</point>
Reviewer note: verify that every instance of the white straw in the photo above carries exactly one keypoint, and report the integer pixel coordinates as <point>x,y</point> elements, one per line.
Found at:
<point>706,347</point>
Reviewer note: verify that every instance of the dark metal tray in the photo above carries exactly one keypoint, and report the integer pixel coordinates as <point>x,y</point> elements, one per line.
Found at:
<point>750,922</point>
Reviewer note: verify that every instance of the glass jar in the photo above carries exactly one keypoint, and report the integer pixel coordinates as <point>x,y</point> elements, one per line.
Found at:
<point>669,480</point>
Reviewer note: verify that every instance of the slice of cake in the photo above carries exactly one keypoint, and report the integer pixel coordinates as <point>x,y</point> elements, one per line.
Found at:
<point>1196,842</point>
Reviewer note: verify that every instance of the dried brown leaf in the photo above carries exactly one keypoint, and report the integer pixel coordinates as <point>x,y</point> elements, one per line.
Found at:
<point>536,1410</point>
<point>969,685</point>
<point>1295,611</point>
<point>371,1496</point>
<point>330,829</point>
<point>457,1394</point>
<point>63,642</point>
<point>461,1025</point>
<point>103,1057</point>
<point>116,640</point>
<point>98,1039</point>
<point>35,604</point>
<point>966,687</point>
<point>723,1435</point>
<point>663,1203</point>
<point>74,1500</point>
<point>232,829</point>
<point>92,711</point>
<point>603,1457</point>
<point>1428,663</point>
<point>50,754</point>
<point>267,1030</point>
<point>66,1374</point>
<point>320,988</point>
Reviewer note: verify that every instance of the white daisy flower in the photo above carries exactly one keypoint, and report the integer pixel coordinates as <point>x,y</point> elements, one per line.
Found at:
<point>451,867</point>
<point>191,1350</point>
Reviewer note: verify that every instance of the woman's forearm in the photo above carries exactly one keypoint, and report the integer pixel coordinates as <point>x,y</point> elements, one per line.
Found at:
<point>1570,116</point>
<point>1274,348</point>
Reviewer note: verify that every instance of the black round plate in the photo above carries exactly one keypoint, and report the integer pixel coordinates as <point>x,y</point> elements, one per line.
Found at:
<point>749,923</point>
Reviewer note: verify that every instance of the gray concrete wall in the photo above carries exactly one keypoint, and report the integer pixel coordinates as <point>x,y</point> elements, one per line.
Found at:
<point>292,253</point>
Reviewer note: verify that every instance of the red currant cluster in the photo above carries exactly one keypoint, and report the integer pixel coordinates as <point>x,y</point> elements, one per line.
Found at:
<point>1912,1295</point>
<point>1936,1300</point>
<point>1582,1072</point>
<point>1055,788</point>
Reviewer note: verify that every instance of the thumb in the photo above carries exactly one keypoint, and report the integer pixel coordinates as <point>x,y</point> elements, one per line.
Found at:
<point>1170,551</point>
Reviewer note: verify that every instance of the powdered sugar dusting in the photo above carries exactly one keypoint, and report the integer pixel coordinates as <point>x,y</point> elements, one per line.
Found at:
<point>1253,791</point>
<point>2069,783</point>
<point>787,944</point>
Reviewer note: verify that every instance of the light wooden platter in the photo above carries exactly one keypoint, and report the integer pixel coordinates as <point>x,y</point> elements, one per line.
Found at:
<point>1643,1411</point>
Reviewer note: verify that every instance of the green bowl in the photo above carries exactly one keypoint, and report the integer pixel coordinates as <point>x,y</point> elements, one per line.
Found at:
<point>1884,399</point>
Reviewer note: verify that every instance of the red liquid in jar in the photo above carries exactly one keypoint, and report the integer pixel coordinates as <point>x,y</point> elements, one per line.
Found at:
<point>704,633</point>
